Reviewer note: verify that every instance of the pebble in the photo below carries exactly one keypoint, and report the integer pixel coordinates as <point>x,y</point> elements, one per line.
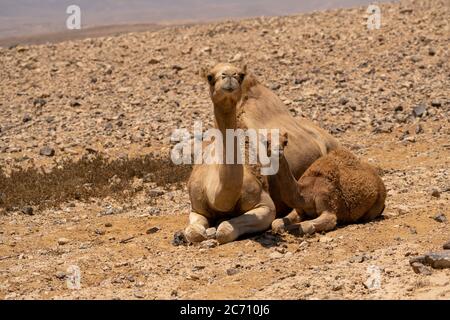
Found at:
<point>208,244</point>
<point>440,217</point>
<point>276,255</point>
<point>152,230</point>
<point>179,239</point>
<point>435,193</point>
<point>211,233</point>
<point>419,111</point>
<point>26,118</point>
<point>232,271</point>
<point>419,268</point>
<point>60,275</point>
<point>28,211</point>
<point>438,260</point>
<point>47,151</point>
<point>446,245</point>
<point>63,241</point>
<point>359,258</point>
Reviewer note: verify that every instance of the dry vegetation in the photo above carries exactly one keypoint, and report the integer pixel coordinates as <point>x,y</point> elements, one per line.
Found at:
<point>91,176</point>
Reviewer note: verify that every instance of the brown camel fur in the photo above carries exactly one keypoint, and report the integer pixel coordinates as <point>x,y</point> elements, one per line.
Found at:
<point>336,189</point>
<point>231,193</point>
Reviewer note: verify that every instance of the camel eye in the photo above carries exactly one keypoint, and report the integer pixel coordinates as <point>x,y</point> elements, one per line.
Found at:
<point>210,78</point>
<point>241,77</point>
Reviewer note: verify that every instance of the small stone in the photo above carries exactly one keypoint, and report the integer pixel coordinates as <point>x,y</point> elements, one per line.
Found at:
<point>436,103</point>
<point>211,233</point>
<point>139,294</point>
<point>337,287</point>
<point>152,230</point>
<point>435,193</point>
<point>60,275</point>
<point>276,255</point>
<point>232,271</point>
<point>100,232</point>
<point>47,151</point>
<point>438,260</point>
<point>153,61</point>
<point>39,102</point>
<point>431,51</point>
<point>446,245</point>
<point>75,103</point>
<point>343,101</point>
<point>440,217</point>
<point>275,86</point>
<point>28,211</point>
<point>419,268</point>
<point>208,244</point>
<point>108,224</point>
<point>179,239</point>
<point>419,111</point>
<point>237,57</point>
<point>63,241</point>
<point>325,239</point>
<point>359,258</point>
<point>192,277</point>
<point>26,118</point>
<point>156,192</point>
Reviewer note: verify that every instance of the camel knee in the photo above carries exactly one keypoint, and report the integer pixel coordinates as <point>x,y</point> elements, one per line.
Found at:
<point>195,233</point>
<point>226,232</point>
<point>279,225</point>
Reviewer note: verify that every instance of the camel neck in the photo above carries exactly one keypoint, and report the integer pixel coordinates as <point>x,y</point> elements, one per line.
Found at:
<point>286,180</point>
<point>230,175</point>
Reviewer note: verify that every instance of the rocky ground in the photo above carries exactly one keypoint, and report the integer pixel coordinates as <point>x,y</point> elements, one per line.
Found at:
<point>384,93</point>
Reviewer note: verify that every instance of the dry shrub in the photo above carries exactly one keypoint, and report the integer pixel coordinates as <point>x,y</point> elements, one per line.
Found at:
<point>91,176</point>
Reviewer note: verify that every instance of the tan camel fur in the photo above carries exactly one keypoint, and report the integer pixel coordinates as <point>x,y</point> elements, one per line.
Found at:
<point>231,196</point>
<point>336,189</point>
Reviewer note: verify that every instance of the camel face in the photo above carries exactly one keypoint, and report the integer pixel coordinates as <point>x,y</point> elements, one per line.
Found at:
<point>225,84</point>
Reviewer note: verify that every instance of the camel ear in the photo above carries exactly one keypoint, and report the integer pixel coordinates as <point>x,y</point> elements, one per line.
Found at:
<point>243,67</point>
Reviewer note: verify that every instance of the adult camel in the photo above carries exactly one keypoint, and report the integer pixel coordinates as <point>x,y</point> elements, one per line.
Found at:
<point>232,196</point>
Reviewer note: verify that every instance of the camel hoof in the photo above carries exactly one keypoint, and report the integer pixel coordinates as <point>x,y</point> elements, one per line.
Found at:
<point>278,226</point>
<point>307,228</point>
<point>195,233</point>
<point>226,233</point>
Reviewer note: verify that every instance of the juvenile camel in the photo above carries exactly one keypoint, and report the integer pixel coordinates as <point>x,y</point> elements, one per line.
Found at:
<point>336,189</point>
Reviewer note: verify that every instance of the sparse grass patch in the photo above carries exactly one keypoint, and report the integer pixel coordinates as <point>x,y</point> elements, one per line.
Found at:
<point>91,176</point>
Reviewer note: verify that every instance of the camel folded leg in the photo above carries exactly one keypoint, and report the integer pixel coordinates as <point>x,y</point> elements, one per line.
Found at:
<point>255,220</point>
<point>326,221</point>
<point>196,230</point>
<point>280,225</point>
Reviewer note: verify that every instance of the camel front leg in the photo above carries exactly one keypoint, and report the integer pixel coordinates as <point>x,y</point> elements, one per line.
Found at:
<point>255,220</point>
<point>196,230</point>
<point>280,225</point>
<point>325,222</point>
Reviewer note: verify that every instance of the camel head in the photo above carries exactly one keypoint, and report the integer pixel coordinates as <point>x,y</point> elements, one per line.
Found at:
<point>225,83</point>
<point>277,149</point>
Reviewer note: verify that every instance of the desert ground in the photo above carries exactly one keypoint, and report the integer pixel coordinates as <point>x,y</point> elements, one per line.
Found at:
<point>385,94</point>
